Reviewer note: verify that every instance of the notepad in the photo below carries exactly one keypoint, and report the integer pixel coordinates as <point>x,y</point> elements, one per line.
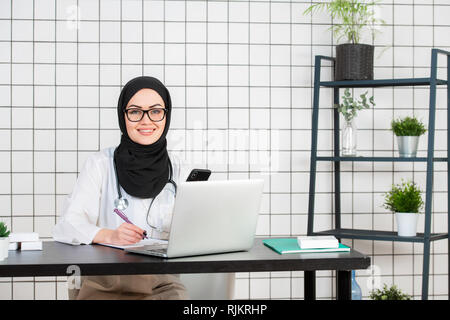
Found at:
<point>145,242</point>
<point>290,245</point>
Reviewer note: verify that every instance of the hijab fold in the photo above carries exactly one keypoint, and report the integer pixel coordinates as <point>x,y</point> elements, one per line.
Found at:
<point>142,170</point>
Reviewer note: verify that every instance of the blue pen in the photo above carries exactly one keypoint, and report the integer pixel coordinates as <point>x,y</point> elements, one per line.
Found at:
<point>124,218</point>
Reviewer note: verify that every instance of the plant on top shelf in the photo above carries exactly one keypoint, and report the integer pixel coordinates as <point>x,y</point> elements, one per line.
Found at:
<point>405,200</point>
<point>408,130</point>
<point>352,16</point>
<point>349,109</point>
<point>350,19</point>
<point>392,293</point>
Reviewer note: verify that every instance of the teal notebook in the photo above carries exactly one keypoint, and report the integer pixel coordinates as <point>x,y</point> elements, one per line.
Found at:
<point>290,245</point>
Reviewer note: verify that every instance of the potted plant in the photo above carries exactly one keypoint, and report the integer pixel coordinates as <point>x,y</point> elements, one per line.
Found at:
<point>404,199</point>
<point>354,60</point>
<point>408,130</point>
<point>4,241</point>
<point>349,108</point>
<point>392,293</point>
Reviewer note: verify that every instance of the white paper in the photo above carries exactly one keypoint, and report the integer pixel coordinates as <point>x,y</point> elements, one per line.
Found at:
<point>317,242</point>
<point>31,245</point>
<point>145,242</point>
<point>13,245</point>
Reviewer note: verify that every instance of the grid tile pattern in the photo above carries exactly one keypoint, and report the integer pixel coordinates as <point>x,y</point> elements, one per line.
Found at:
<point>240,74</point>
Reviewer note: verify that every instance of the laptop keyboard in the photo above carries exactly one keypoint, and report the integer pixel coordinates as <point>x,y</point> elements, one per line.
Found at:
<point>156,247</point>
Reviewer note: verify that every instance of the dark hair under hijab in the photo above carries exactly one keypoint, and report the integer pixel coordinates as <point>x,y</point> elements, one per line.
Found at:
<point>142,170</point>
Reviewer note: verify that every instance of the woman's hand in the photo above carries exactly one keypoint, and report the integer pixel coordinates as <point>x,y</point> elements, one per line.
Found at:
<point>125,234</point>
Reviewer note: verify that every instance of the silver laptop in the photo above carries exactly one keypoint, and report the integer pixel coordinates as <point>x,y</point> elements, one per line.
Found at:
<point>211,217</point>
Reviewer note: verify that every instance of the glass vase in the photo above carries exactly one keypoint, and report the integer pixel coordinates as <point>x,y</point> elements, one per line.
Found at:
<point>349,138</point>
<point>356,289</point>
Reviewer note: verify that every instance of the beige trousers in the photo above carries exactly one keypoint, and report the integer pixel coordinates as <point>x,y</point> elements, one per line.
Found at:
<point>130,287</point>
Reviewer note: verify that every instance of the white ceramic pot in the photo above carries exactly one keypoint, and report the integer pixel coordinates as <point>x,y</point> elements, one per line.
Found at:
<point>4,247</point>
<point>406,223</point>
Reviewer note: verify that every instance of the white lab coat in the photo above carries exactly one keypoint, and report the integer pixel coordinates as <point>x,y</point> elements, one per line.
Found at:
<point>90,206</point>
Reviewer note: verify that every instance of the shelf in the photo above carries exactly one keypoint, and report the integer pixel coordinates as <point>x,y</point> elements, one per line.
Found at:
<point>380,159</point>
<point>431,84</point>
<point>378,235</point>
<point>381,83</point>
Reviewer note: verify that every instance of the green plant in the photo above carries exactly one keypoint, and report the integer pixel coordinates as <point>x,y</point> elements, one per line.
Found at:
<point>350,106</point>
<point>408,126</point>
<point>392,293</point>
<point>404,197</point>
<point>4,232</point>
<point>352,17</point>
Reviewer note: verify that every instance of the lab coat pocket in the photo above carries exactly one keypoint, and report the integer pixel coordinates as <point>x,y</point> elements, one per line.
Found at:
<point>162,214</point>
<point>166,212</point>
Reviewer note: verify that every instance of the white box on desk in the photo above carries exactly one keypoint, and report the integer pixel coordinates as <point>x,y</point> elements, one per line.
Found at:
<point>317,242</point>
<point>31,245</point>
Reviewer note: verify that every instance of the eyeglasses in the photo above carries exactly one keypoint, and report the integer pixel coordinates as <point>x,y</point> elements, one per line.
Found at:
<point>154,114</point>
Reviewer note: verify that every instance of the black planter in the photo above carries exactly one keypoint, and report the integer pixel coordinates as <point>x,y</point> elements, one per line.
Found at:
<point>354,62</point>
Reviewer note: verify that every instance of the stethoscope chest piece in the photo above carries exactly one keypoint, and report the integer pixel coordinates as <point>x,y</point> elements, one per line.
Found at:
<point>121,203</point>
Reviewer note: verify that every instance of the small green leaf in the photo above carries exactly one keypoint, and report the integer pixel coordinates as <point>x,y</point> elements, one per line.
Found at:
<point>3,230</point>
<point>350,106</point>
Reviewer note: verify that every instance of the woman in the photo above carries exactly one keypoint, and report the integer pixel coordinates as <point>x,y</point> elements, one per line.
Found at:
<point>142,172</point>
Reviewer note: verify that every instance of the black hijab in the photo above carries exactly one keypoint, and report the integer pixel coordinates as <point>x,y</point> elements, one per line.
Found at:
<point>142,170</point>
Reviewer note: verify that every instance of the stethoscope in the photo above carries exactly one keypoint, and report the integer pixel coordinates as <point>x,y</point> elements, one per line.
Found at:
<point>121,203</point>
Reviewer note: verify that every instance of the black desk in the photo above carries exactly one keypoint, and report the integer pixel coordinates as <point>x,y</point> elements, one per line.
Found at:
<point>55,258</point>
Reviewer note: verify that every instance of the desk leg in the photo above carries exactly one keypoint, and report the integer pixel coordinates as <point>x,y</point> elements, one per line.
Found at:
<point>310,285</point>
<point>344,285</point>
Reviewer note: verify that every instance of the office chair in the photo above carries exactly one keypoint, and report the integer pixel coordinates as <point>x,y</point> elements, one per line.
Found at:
<point>200,286</point>
<point>209,286</point>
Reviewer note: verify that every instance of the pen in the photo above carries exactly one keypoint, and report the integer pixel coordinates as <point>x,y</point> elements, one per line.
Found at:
<point>124,218</point>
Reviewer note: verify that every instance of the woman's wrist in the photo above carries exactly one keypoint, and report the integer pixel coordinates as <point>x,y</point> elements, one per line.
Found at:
<point>103,236</point>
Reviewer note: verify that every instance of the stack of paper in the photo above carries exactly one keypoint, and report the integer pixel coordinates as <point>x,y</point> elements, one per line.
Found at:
<point>24,241</point>
<point>13,245</point>
<point>290,245</point>
<point>317,242</point>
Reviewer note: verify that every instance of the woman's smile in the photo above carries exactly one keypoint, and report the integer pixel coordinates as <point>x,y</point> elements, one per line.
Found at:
<point>146,131</point>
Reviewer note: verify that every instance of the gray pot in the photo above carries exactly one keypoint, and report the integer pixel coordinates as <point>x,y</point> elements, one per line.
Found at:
<point>407,146</point>
<point>354,62</point>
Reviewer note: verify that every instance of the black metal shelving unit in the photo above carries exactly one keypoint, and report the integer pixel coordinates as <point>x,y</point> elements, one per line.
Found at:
<point>426,237</point>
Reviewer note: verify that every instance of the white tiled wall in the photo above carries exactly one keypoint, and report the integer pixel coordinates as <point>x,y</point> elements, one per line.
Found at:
<point>240,74</point>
